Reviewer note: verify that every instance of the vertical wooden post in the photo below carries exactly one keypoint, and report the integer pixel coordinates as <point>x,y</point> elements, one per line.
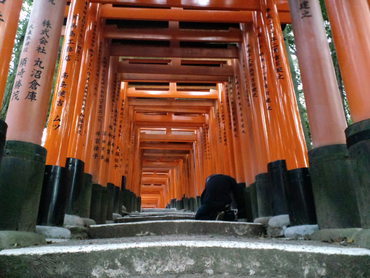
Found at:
<point>61,114</point>
<point>335,199</point>
<point>9,16</point>
<point>20,194</point>
<point>350,22</point>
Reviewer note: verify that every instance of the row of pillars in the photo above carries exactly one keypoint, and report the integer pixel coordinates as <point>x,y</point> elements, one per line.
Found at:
<point>254,132</point>
<point>79,169</point>
<point>255,122</point>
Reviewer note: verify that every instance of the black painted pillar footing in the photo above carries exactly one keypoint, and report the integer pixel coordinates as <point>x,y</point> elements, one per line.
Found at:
<point>110,200</point>
<point>3,128</point>
<point>179,204</point>
<point>76,168</point>
<point>199,202</point>
<point>95,205</point>
<point>104,204</point>
<point>358,143</point>
<point>21,175</point>
<point>333,187</point>
<point>116,202</point>
<point>300,197</point>
<point>85,197</point>
<point>55,191</point>
<point>264,195</point>
<point>254,202</point>
<point>279,179</point>
<point>248,204</point>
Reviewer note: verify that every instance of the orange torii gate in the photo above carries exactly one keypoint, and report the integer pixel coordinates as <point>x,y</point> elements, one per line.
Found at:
<point>196,90</point>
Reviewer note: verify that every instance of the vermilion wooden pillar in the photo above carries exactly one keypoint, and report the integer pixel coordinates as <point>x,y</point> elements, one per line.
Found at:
<point>350,22</point>
<point>256,106</point>
<point>20,193</point>
<point>9,15</point>
<point>65,93</point>
<point>228,144</point>
<point>56,183</point>
<point>335,199</point>
<point>84,87</point>
<point>78,132</point>
<point>234,131</point>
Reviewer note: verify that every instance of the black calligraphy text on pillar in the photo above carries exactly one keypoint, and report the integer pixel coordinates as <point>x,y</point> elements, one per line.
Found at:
<point>1,15</point>
<point>72,54</point>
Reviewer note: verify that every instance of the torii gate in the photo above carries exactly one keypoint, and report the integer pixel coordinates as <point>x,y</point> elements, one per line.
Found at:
<point>218,70</point>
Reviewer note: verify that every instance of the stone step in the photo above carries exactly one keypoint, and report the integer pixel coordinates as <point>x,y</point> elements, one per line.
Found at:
<point>176,227</point>
<point>128,219</point>
<point>186,256</point>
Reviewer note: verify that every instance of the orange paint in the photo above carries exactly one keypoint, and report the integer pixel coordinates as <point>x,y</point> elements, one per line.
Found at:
<point>324,104</point>
<point>9,15</point>
<point>28,105</point>
<point>76,145</point>
<point>296,153</point>
<point>350,23</point>
<point>60,118</point>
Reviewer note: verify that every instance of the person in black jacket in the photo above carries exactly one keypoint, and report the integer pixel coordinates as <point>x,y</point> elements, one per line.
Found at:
<point>220,191</point>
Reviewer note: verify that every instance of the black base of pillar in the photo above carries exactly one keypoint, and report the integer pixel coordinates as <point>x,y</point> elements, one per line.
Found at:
<point>21,174</point>
<point>358,143</point>
<point>121,200</point>
<point>104,204</point>
<point>241,202</point>
<point>139,204</point>
<point>127,199</point>
<point>3,128</point>
<point>173,203</point>
<point>248,204</point>
<point>179,204</point>
<point>185,201</point>
<point>95,206</point>
<point>76,172</point>
<point>199,202</point>
<point>85,197</point>
<point>332,182</point>
<point>279,179</point>
<point>110,200</point>
<point>300,197</point>
<point>193,204</point>
<point>116,201</point>
<point>264,195</point>
<point>55,191</point>
<point>254,202</point>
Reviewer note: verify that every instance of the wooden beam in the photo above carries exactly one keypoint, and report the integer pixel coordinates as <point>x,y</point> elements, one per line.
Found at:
<point>135,77</point>
<point>173,52</point>
<point>171,103</point>
<point>167,138</point>
<point>247,5</point>
<point>175,69</point>
<point>166,146</point>
<point>110,12</point>
<point>227,36</point>
<point>167,94</point>
<point>169,119</point>
<point>172,109</point>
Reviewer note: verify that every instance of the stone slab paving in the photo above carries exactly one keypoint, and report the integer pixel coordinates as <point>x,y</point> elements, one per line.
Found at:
<point>186,256</point>
<point>176,227</point>
<point>128,219</point>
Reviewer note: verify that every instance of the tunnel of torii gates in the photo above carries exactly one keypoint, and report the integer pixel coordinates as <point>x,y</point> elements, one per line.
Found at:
<point>153,96</point>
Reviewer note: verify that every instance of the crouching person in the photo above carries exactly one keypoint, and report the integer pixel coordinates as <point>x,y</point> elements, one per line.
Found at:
<point>220,191</point>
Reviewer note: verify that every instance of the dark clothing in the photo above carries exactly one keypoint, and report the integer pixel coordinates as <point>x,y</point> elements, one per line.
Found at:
<point>219,192</point>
